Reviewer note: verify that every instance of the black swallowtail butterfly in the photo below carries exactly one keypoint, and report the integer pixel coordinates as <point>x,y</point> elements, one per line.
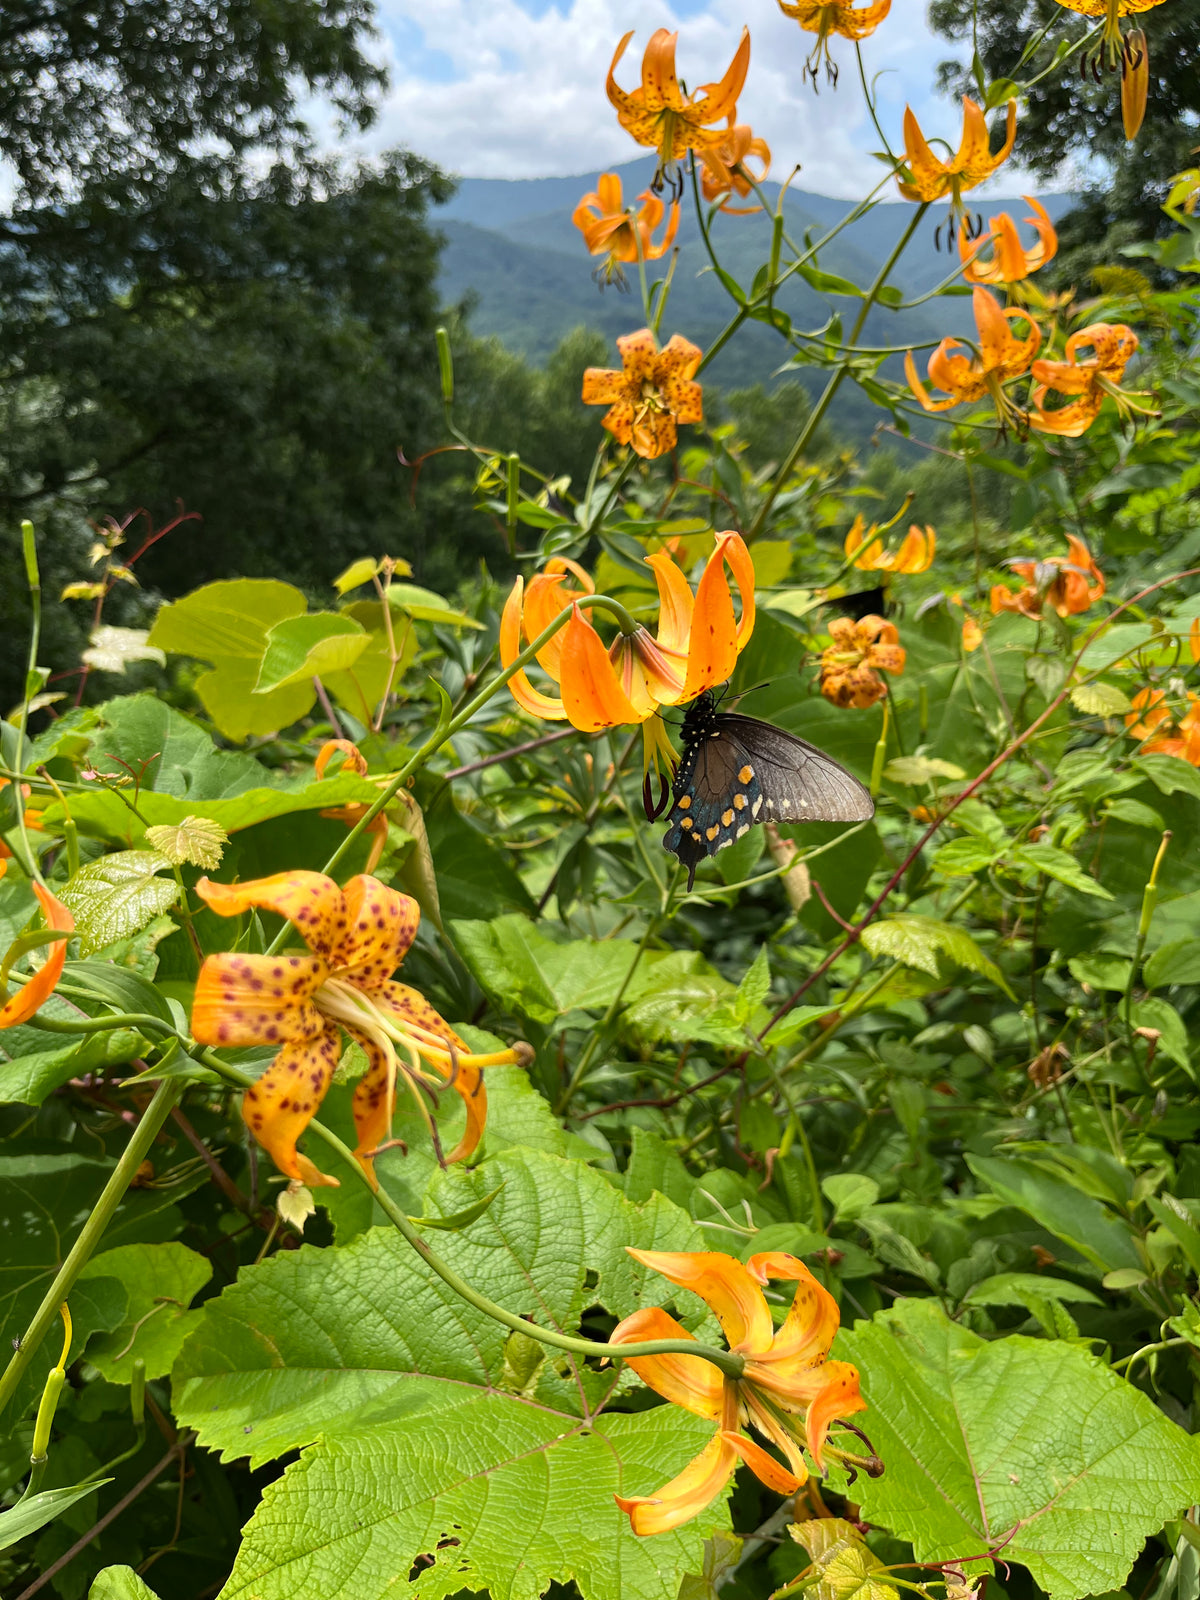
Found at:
<point>737,771</point>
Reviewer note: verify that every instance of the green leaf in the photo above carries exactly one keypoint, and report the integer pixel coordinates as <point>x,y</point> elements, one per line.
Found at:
<point>1099,699</point>
<point>844,1567</point>
<point>198,841</point>
<point>1101,971</point>
<point>230,695</point>
<point>960,857</point>
<point>1135,813</point>
<point>117,896</point>
<point>754,987</point>
<point>1015,1288</point>
<point>419,1450</point>
<point>119,1583</point>
<point>1026,1446</point>
<point>850,1194</point>
<point>1176,962</point>
<point>721,1556</point>
<point>301,648</point>
<point>1175,1219</point>
<point>121,987</point>
<point>1082,1222</point>
<point>35,1512</point>
<point>914,770</point>
<point>227,619</point>
<point>1059,865</point>
<point>918,941</point>
<point>356,574</point>
<point>1169,774</point>
<point>161,1281</point>
<point>1115,644</point>
<point>426,606</point>
<point>1161,1015</point>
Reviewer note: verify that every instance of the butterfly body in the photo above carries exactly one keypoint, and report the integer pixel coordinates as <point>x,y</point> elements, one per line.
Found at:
<point>737,771</point>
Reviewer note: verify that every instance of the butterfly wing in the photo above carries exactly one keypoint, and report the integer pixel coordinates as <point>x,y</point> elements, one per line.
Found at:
<point>714,802</point>
<point>799,782</point>
<point>742,771</point>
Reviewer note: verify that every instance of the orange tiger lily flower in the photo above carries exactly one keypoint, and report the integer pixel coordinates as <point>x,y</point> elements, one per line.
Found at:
<point>1009,261</point>
<point>660,115</point>
<point>1149,712</point>
<point>34,993</point>
<point>859,651</point>
<point>651,394</point>
<point>1113,346</point>
<point>1069,583</point>
<point>697,644</point>
<point>725,168</point>
<point>1001,357</point>
<point>789,1391</point>
<point>1184,742</point>
<point>1112,46</point>
<point>933,178</point>
<point>611,229</point>
<point>356,938</point>
<point>843,17</point>
<point>864,548</point>
<point>353,813</point>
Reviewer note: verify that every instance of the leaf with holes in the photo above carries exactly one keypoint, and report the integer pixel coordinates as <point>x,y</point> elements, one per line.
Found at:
<point>1027,1447</point>
<point>423,1454</point>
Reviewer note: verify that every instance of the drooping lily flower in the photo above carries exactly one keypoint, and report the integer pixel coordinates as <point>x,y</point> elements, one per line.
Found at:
<point>697,643</point>
<point>1009,261</point>
<point>1069,583</point>
<point>864,547</point>
<point>1179,738</point>
<point>725,167</point>
<point>302,1003</point>
<point>651,394</point>
<point>789,1392</point>
<point>1112,45</point>
<point>859,651</point>
<point>660,115</point>
<point>932,178</point>
<point>1113,346</point>
<point>612,230</point>
<point>824,17</point>
<point>34,993</point>
<point>1135,82</point>
<point>352,813</point>
<point>1001,357</point>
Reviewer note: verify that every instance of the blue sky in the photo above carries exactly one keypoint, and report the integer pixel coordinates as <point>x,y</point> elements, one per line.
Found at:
<point>515,88</point>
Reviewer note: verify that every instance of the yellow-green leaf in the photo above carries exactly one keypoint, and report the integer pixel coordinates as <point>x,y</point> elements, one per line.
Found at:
<point>198,840</point>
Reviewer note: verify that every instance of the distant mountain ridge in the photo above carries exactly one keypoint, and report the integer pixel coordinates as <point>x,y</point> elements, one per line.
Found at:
<point>512,250</point>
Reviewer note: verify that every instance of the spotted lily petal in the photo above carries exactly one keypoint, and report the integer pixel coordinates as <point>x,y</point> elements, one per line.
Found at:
<point>34,994</point>
<point>283,1102</point>
<point>250,999</point>
<point>725,1284</point>
<point>381,926</point>
<point>684,1380</point>
<point>310,901</point>
<point>591,692</point>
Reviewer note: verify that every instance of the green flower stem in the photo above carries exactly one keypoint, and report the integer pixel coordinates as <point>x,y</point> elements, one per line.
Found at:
<point>166,1097</point>
<point>33,578</point>
<point>727,1361</point>
<point>446,730</point>
<point>817,413</point>
<point>614,488</point>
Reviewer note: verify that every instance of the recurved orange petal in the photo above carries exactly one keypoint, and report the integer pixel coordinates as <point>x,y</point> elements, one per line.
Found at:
<point>382,925</point>
<point>283,1102</point>
<point>530,699</point>
<point>764,1467</point>
<point>353,758</point>
<point>687,1381</point>
<point>592,696</point>
<point>310,901</point>
<point>686,1496</point>
<point>34,994</point>
<point>839,1397</point>
<point>675,603</point>
<point>725,1284</point>
<point>250,999</point>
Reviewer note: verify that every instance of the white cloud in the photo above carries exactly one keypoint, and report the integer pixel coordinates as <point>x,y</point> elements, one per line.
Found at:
<point>486,90</point>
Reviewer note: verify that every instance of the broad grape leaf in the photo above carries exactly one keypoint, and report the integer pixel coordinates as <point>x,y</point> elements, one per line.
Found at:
<point>422,1442</point>
<point>1029,1448</point>
<point>117,896</point>
<point>160,1282</point>
<point>844,1567</point>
